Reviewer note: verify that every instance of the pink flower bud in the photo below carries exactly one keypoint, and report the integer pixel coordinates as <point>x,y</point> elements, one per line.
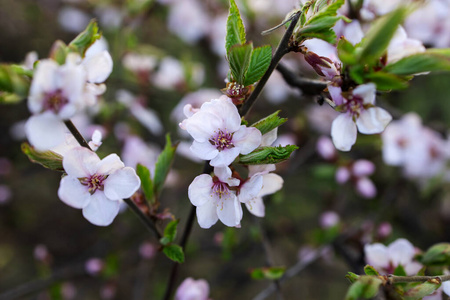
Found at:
<point>366,188</point>
<point>329,219</point>
<point>325,148</point>
<point>363,167</point>
<point>94,266</point>
<point>191,289</point>
<point>41,253</point>
<point>147,250</point>
<point>342,175</point>
<point>384,230</point>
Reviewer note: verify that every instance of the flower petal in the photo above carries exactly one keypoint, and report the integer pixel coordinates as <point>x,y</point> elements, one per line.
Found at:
<point>367,92</point>
<point>109,164</point>
<point>269,138</point>
<point>200,190</point>
<point>247,139</point>
<point>73,193</point>
<point>45,131</point>
<point>224,109</point>
<point>207,215</point>
<point>271,183</point>
<point>80,162</point>
<point>229,211</point>
<point>204,150</point>
<point>202,125</point>
<point>377,255</point>
<point>401,252</point>
<point>373,120</point>
<point>101,211</point>
<point>121,184</point>
<point>225,157</point>
<point>224,175</point>
<point>366,188</point>
<point>250,189</point>
<point>343,132</point>
<point>256,207</point>
<point>98,66</point>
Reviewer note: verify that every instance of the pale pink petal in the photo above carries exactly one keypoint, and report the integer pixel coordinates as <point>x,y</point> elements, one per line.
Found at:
<point>263,169</point>
<point>98,66</point>
<point>73,193</point>
<point>412,268</point>
<point>401,252</point>
<point>342,175</point>
<point>45,131</point>
<point>71,79</point>
<point>363,167</point>
<point>204,150</point>
<point>121,184</point>
<point>224,108</point>
<point>366,188</point>
<point>343,132</point>
<point>229,211</point>
<point>272,183</point>
<point>247,139</point>
<point>225,157</point>
<point>200,190</point>
<point>256,207</point>
<point>207,215</point>
<point>269,138</point>
<point>377,255</point>
<point>446,287</point>
<point>101,211</point>
<point>335,94</point>
<point>224,175</point>
<point>192,289</point>
<point>367,92</point>
<point>80,162</point>
<point>109,164</point>
<point>251,188</point>
<point>373,120</point>
<point>203,125</point>
<point>43,81</point>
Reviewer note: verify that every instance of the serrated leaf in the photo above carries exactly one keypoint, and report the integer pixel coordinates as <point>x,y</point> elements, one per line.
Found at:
<point>365,287</point>
<point>239,60</point>
<point>170,233</point>
<point>352,277</point>
<point>162,166</point>
<point>14,84</point>
<point>48,159</point>
<point>428,61</point>
<point>267,155</point>
<point>369,270</point>
<point>85,39</point>
<point>346,52</point>
<point>235,27</point>
<point>386,81</point>
<point>437,255</point>
<point>174,252</point>
<point>269,123</point>
<point>422,290</point>
<point>377,39</point>
<point>272,273</point>
<point>146,181</point>
<point>259,63</point>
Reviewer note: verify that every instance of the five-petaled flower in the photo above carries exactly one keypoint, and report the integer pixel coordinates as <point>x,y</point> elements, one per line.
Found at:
<point>218,133</point>
<point>96,186</point>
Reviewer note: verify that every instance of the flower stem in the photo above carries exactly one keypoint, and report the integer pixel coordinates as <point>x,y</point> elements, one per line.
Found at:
<point>282,49</point>
<point>76,134</point>
<point>403,279</point>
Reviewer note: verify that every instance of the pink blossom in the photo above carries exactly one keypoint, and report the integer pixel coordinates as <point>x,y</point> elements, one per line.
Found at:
<point>96,186</point>
<point>325,148</point>
<point>358,173</point>
<point>329,219</point>
<point>94,266</point>
<point>191,289</point>
<point>218,133</point>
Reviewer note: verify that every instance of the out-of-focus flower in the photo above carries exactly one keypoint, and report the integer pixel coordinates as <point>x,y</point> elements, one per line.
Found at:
<point>141,64</point>
<point>94,266</point>
<point>402,46</point>
<point>5,194</point>
<point>358,173</point>
<point>170,74</point>
<point>326,149</point>
<point>96,186</point>
<point>188,20</point>
<point>191,289</point>
<point>386,259</point>
<point>136,151</point>
<point>73,19</point>
<point>147,250</point>
<point>329,219</point>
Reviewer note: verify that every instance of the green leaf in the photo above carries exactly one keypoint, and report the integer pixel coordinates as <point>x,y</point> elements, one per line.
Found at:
<point>437,255</point>
<point>235,28</point>
<point>428,61</point>
<point>162,166</point>
<point>14,83</point>
<point>386,81</point>
<point>400,271</point>
<point>346,52</point>
<point>85,39</point>
<point>269,123</point>
<point>174,252</point>
<point>146,181</point>
<point>229,242</point>
<point>48,159</point>
<point>422,290</point>
<point>377,39</point>
<point>59,51</point>
<point>369,270</point>
<point>170,233</point>
<point>239,60</point>
<point>365,287</point>
<point>259,63</point>
<point>352,277</point>
<point>272,273</point>
<point>267,155</point>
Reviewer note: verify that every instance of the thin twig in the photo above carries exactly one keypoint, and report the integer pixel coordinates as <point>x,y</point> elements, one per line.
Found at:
<point>76,134</point>
<point>307,86</point>
<point>405,279</point>
<point>281,50</point>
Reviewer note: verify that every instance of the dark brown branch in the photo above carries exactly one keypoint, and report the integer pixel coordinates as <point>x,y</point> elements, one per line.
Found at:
<point>307,86</point>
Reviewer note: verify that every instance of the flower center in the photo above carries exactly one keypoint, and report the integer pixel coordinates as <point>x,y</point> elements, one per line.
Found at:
<point>55,101</point>
<point>222,140</point>
<point>219,188</point>
<point>94,182</point>
<point>354,105</point>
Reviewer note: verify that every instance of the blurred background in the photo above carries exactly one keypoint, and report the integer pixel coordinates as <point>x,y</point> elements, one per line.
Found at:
<point>168,53</point>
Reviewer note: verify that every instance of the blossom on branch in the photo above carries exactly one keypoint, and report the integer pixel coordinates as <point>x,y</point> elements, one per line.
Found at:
<point>96,186</point>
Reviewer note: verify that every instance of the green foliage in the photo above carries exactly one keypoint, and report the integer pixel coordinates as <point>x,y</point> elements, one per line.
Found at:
<point>364,287</point>
<point>163,164</point>
<point>174,252</point>
<point>437,255</point>
<point>322,16</point>
<point>111,267</point>
<point>14,83</point>
<point>377,39</point>
<point>170,233</point>
<point>421,290</point>
<point>228,243</point>
<point>59,52</point>
<point>146,181</point>
<point>352,277</point>
<point>430,60</point>
<point>259,63</point>
<point>235,28</point>
<point>48,159</point>
<point>85,39</point>
<point>369,270</point>
<point>386,81</point>
<point>267,155</point>
<point>272,273</point>
<point>346,52</point>
<point>269,123</point>
<point>400,271</point>
<point>239,60</point>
